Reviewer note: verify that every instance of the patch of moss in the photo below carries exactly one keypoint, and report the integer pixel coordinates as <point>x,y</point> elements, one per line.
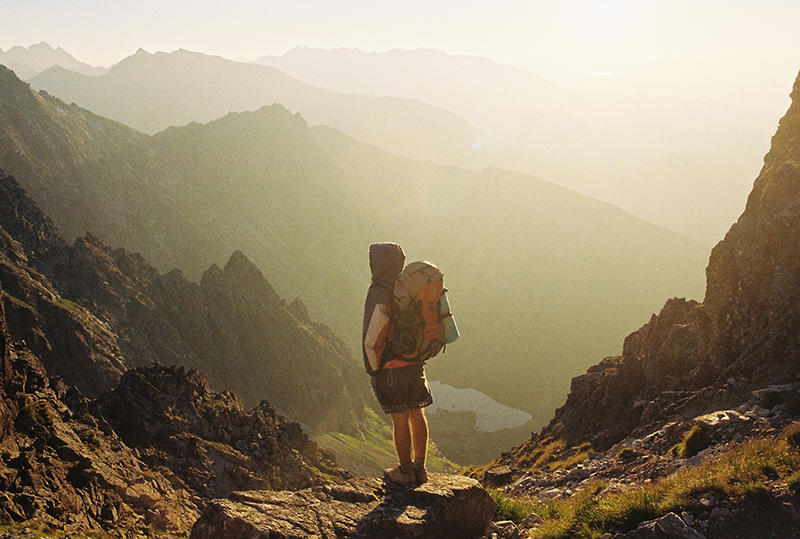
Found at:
<point>693,442</point>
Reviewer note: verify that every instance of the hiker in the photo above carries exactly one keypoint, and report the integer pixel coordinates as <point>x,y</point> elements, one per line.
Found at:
<point>400,386</point>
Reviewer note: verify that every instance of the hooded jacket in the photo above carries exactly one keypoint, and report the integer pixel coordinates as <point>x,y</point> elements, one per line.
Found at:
<point>386,261</point>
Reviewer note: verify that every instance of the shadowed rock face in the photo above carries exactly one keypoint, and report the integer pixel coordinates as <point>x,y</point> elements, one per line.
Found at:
<point>175,420</point>
<point>63,468</point>
<point>447,507</point>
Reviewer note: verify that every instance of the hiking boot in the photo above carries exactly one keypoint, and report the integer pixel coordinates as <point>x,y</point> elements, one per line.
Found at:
<point>420,475</point>
<point>396,475</point>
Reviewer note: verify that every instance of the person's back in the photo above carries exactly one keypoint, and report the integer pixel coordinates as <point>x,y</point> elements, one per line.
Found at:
<point>400,386</point>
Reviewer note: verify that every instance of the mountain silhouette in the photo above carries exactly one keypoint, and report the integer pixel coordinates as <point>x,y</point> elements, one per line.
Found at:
<point>151,92</point>
<point>28,62</point>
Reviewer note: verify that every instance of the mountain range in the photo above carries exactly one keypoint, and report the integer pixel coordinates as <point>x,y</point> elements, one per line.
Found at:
<point>463,111</point>
<point>522,256</point>
<point>30,61</point>
<point>91,313</point>
<point>618,148</point>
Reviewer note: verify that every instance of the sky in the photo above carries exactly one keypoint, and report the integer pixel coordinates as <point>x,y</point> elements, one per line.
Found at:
<point>738,51</point>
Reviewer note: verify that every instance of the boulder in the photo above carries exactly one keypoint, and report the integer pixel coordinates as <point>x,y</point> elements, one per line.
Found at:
<point>446,506</point>
<point>498,476</point>
<point>670,526</point>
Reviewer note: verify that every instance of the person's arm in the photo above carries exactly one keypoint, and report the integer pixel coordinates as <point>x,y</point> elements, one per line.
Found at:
<point>375,338</point>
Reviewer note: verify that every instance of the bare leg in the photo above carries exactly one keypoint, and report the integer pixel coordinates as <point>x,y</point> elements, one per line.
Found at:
<point>419,434</point>
<point>402,436</point>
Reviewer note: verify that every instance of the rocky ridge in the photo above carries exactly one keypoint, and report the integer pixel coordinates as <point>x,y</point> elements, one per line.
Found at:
<point>143,460</point>
<point>174,420</point>
<point>91,312</point>
<point>67,470</point>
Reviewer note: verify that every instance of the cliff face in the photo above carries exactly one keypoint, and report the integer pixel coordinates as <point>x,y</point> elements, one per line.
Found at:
<point>753,277</point>
<point>694,358</point>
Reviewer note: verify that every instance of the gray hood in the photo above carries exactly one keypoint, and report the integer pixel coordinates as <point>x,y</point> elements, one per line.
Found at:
<point>386,260</point>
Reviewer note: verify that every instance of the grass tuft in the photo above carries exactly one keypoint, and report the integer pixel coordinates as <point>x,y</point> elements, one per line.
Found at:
<point>513,509</point>
<point>693,442</point>
<point>792,434</point>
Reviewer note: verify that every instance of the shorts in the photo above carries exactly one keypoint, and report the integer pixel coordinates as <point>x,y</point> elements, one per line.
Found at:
<point>402,388</point>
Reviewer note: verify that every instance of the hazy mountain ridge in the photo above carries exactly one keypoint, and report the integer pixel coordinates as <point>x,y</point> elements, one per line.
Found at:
<point>268,173</point>
<point>28,62</point>
<point>151,92</point>
<point>583,141</point>
<point>455,110</point>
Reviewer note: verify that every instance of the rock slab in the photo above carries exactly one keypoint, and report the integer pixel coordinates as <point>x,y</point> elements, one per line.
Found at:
<point>446,507</point>
<point>670,526</point>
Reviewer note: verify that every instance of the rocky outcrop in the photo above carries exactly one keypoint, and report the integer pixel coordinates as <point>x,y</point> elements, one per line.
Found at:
<point>142,460</point>
<point>35,262</point>
<point>447,507</point>
<point>670,526</point>
<point>207,439</point>
<point>63,468</point>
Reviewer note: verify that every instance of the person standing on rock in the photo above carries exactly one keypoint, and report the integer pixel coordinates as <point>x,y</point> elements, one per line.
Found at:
<point>400,386</point>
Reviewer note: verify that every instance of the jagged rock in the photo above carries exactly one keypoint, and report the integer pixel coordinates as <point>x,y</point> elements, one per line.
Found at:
<point>498,476</point>
<point>670,526</point>
<point>446,507</point>
<point>63,468</point>
<point>207,439</point>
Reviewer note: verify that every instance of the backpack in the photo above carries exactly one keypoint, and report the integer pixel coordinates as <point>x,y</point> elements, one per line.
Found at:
<point>420,308</point>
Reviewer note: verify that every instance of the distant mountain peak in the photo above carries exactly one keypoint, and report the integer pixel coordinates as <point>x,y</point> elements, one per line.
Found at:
<point>41,56</point>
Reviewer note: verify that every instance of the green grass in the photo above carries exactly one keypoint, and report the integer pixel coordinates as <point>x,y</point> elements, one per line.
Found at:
<point>371,455</point>
<point>514,509</point>
<point>742,473</point>
<point>66,304</point>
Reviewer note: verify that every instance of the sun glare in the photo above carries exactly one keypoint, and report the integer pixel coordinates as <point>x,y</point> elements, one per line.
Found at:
<point>608,12</point>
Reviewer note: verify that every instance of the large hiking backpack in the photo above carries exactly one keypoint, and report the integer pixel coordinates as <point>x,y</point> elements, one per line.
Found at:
<point>420,308</point>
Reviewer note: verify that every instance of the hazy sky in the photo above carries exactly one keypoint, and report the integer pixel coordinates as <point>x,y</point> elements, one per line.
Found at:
<point>745,52</point>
